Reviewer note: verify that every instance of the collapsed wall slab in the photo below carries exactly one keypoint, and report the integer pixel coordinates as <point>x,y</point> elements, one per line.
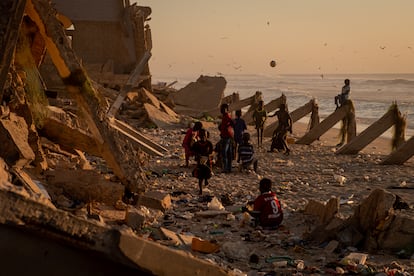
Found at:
<point>44,234</point>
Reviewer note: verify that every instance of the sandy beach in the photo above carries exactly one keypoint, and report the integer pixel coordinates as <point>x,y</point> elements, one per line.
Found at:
<point>310,172</point>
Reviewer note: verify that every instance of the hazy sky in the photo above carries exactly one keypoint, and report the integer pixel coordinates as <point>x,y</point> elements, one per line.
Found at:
<point>302,36</point>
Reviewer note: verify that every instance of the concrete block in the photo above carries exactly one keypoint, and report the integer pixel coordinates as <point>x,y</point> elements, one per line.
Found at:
<point>135,218</point>
<point>14,145</point>
<point>155,200</point>
<point>325,212</point>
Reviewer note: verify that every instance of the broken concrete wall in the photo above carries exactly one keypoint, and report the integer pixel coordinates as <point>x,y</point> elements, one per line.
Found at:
<point>96,46</point>
<point>108,35</point>
<point>98,33</point>
<point>82,244</point>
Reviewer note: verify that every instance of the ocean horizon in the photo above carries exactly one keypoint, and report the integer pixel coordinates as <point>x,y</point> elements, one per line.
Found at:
<point>372,94</point>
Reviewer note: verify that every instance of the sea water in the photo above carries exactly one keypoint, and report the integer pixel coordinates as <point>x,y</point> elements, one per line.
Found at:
<point>372,94</point>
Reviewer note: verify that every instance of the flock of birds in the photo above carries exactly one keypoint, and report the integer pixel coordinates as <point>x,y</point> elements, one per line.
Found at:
<point>273,63</point>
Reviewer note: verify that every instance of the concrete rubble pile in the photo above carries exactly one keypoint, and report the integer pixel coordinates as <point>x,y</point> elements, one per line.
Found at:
<point>61,155</point>
<point>74,187</point>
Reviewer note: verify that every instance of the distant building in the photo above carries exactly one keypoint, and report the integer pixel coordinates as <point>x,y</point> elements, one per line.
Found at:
<point>109,36</point>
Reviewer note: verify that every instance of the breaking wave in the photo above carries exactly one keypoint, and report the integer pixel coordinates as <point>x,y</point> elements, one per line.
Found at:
<point>389,82</point>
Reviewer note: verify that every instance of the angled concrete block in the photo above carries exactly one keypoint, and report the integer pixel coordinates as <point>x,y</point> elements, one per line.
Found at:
<point>368,135</point>
<point>402,154</point>
<point>323,126</point>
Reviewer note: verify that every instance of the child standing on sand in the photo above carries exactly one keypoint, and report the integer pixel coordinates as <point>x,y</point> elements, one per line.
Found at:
<point>239,128</point>
<point>279,137</point>
<point>202,150</point>
<point>259,118</point>
<point>190,137</point>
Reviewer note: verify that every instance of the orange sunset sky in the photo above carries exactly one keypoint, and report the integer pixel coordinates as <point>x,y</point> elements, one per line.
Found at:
<point>303,36</point>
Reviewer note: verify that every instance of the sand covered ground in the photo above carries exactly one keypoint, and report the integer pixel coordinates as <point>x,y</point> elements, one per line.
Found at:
<point>309,172</point>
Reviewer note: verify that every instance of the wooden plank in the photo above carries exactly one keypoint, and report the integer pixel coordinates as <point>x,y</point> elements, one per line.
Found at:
<point>133,81</point>
<point>12,12</point>
<point>402,154</point>
<point>323,126</point>
<point>296,115</point>
<point>145,143</point>
<point>368,135</point>
<point>76,81</point>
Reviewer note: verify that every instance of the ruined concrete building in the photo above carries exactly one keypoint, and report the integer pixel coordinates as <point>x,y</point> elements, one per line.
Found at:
<point>110,37</point>
<point>45,138</point>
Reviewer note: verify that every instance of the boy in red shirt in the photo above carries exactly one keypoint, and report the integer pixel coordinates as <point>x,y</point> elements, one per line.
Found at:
<point>266,208</point>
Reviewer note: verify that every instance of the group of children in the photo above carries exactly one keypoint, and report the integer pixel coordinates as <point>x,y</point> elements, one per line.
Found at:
<point>234,142</point>
<point>234,138</point>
